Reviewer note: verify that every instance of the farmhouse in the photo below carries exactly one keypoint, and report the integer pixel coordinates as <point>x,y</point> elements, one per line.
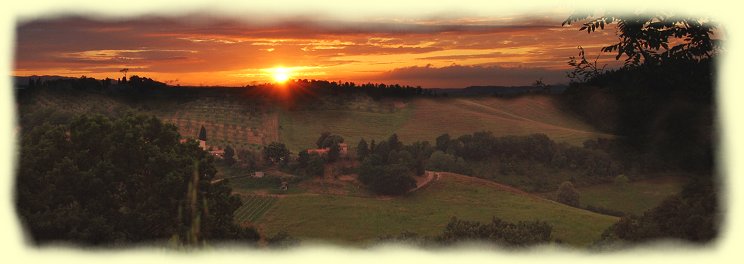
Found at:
<point>343,150</point>
<point>202,138</point>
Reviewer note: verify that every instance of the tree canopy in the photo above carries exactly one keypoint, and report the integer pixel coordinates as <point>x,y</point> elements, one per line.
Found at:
<point>103,181</point>
<point>653,39</point>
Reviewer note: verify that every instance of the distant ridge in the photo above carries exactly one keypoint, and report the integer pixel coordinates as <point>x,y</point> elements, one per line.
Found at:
<point>502,90</point>
<point>24,80</point>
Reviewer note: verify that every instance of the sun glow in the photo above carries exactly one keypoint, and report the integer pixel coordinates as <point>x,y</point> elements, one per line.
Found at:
<point>281,74</point>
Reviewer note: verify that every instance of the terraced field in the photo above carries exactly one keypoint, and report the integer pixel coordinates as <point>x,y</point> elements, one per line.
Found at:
<point>227,121</point>
<point>253,208</point>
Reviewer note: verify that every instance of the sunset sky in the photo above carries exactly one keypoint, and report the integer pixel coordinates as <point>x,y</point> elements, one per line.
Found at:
<point>447,52</point>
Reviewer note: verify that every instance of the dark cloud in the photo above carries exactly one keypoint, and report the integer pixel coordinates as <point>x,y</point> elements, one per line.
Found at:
<point>457,76</point>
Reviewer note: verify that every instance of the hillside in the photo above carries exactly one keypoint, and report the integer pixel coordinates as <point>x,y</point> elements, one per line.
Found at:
<point>360,220</point>
<point>427,118</point>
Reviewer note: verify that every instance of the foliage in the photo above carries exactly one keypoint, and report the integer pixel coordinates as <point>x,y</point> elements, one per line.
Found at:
<point>567,194</point>
<point>440,161</point>
<point>203,133</point>
<point>276,152</point>
<point>692,216</point>
<point>315,165</point>
<point>302,158</point>
<point>388,179</point>
<point>621,180</point>
<point>282,240</point>
<point>583,70</point>
<point>647,38</point>
<point>249,160</point>
<point>362,149</point>
<point>321,140</point>
<point>497,231</point>
<point>102,181</point>
<point>229,155</point>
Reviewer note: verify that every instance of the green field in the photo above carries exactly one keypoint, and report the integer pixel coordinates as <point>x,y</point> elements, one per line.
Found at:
<point>300,129</point>
<point>427,118</point>
<point>359,220</point>
<point>517,116</point>
<point>636,198</point>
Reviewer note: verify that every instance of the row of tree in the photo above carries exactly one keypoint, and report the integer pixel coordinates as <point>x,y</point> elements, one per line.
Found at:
<point>498,232</point>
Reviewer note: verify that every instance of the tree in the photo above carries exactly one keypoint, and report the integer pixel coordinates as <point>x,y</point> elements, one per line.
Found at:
<point>229,155</point>
<point>567,194</point>
<point>388,179</point>
<point>394,143</point>
<point>315,165</point>
<point>321,139</point>
<point>113,181</point>
<point>443,142</point>
<point>497,231</point>
<point>203,133</point>
<point>440,161</point>
<point>645,39</point>
<point>276,152</point>
<point>334,152</point>
<point>621,181</point>
<point>302,158</point>
<point>690,215</point>
<point>362,150</point>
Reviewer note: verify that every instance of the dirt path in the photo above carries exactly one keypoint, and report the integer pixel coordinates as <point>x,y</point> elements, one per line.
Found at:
<point>430,176</point>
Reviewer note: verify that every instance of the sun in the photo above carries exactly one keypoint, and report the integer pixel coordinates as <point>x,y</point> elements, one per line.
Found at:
<point>281,74</point>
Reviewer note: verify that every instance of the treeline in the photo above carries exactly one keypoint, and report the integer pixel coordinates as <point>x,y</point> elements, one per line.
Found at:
<point>498,232</point>
<point>388,167</point>
<point>535,156</point>
<point>304,89</point>
<point>135,87</point>
<point>98,181</point>
<point>662,111</point>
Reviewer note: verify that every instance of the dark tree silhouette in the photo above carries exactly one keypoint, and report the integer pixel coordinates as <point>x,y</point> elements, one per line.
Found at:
<point>646,39</point>
<point>362,149</point>
<point>203,133</point>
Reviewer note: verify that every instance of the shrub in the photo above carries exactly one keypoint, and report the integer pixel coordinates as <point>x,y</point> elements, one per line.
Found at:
<point>621,180</point>
<point>567,194</point>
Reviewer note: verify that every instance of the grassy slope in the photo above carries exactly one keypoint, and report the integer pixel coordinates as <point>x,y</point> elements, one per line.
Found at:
<point>355,219</point>
<point>426,118</point>
<point>518,116</point>
<point>635,198</point>
<point>300,129</point>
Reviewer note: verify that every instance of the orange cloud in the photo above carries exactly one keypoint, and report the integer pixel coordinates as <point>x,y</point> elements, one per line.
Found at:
<point>233,52</point>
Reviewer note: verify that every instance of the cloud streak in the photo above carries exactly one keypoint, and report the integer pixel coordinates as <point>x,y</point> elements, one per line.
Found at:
<point>198,49</point>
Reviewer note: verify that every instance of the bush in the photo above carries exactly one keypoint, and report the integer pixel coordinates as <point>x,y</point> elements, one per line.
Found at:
<point>567,194</point>
<point>497,231</point>
<point>440,161</point>
<point>392,179</point>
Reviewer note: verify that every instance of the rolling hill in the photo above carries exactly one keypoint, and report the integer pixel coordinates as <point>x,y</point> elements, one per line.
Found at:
<point>427,118</point>
<point>361,220</point>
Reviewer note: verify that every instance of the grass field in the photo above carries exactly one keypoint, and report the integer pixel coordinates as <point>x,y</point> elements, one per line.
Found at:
<point>427,118</point>
<point>359,220</point>
<point>517,116</point>
<point>635,198</point>
<point>300,129</point>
